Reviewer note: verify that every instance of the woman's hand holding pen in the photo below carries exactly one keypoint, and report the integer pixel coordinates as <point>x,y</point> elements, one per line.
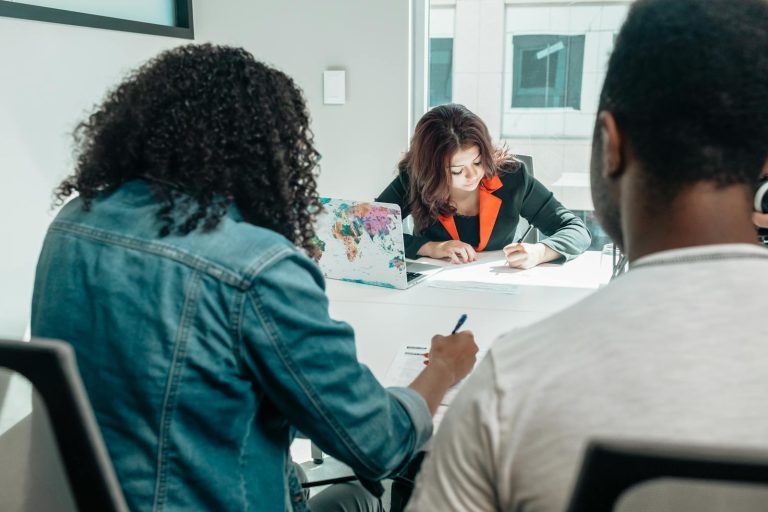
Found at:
<point>454,354</point>
<point>522,255</point>
<point>451,358</point>
<point>454,250</point>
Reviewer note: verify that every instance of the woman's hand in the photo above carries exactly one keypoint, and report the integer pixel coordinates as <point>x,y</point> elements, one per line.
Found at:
<point>524,256</point>
<point>760,220</point>
<point>454,250</point>
<point>451,358</point>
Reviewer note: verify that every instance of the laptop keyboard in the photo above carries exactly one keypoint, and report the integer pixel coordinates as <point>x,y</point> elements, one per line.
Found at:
<point>410,276</point>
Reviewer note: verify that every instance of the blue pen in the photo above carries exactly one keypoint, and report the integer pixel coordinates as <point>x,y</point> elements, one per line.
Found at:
<point>462,319</point>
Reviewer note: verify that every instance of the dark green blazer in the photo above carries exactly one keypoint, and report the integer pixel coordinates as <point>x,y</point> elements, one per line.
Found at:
<point>503,200</point>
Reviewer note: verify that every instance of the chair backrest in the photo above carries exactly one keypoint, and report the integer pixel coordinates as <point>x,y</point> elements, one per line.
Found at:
<point>53,455</point>
<point>624,475</point>
<point>528,161</point>
<point>522,226</point>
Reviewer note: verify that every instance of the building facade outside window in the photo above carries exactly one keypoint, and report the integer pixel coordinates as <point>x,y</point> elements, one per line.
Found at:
<point>547,71</point>
<point>533,71</point>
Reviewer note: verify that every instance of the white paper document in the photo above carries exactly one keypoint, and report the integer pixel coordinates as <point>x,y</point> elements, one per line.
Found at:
<point>475,286</point>
<point>493,274</point>
<point>408,363</point>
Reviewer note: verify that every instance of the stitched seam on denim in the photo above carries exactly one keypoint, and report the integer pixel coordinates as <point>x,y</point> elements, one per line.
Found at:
<point>159,249</point>
<point>702,258</point>
<point>241,462</point>
<point>269,258</point>
<point>236,329</point>
<point>41,277</point>
<point>305,386</point>
<point>169,400</point>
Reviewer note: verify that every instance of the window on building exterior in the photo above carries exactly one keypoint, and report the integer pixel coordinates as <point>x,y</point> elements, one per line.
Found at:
<point>440,70</point>
<point>547,71</point>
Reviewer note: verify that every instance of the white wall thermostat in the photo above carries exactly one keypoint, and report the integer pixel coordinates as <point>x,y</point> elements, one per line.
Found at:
<point>334,87</point>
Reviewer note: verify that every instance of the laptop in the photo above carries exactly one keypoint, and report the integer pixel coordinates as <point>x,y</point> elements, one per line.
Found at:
<point>362,242</point>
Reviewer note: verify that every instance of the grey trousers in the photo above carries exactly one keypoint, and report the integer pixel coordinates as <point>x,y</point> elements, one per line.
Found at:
<point>346,497</point>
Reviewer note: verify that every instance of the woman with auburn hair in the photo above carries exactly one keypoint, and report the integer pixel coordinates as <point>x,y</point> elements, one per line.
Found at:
<point>467,195</point>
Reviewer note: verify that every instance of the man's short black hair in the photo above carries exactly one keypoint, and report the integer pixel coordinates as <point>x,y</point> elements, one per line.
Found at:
<point>688,84</point>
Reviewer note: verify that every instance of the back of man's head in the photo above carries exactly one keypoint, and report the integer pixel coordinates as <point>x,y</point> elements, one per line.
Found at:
<point>688,86</point>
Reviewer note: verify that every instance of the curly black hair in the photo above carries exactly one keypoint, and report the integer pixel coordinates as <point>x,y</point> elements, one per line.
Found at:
<point>211,124</point>
<point>687,83</point>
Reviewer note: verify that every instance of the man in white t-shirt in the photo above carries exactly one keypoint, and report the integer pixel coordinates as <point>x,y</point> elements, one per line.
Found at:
<point>677,348</point>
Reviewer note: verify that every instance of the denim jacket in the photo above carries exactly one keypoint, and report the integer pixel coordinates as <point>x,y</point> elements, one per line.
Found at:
<point>202,354</point>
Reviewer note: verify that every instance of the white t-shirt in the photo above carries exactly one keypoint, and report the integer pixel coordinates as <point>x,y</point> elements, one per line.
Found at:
<point>674,350</point>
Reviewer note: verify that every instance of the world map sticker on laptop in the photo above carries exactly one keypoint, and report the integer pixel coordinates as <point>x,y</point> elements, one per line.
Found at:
<point>361,242</point>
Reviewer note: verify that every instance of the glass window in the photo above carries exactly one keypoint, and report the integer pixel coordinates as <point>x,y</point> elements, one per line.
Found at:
<point>547,71</point>
<point>599,237</point>
<point>440,70</point>
<point>533,71</point>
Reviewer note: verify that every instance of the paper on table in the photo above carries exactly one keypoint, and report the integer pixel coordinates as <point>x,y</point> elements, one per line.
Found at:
<point>407,365</point>
<point>495,275</point>
<point>475,286</point>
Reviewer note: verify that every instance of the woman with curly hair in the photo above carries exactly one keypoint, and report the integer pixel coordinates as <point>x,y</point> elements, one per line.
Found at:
<point>467,196</point>
<point>200,326</point>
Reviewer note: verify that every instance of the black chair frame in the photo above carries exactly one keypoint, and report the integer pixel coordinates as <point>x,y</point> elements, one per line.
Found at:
<point>51,368</point>
<point>611,468</point>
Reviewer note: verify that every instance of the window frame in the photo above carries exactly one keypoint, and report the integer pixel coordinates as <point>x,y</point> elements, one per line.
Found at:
<point>555,118</point>
<point>568,66</point>
<point>183,24</point>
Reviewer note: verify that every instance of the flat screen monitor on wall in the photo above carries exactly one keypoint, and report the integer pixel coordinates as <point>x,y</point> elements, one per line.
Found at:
<point>171,18</point>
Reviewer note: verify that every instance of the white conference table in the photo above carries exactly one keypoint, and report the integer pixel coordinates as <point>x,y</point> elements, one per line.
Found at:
<point>501,300</point>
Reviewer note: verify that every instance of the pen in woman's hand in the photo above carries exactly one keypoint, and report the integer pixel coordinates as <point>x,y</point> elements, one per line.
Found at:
<point>462,319</point>
<point>530,227</point>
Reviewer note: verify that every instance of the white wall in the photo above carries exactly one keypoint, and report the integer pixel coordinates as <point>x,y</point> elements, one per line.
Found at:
<point>360,141</point>
<point>50,75</point>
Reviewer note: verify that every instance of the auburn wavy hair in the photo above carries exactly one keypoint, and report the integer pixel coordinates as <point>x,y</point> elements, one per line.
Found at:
<point>211,124</point>
<point>439,134</point>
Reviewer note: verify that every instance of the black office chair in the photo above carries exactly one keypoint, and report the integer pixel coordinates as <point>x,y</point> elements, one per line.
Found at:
<point>53,457</point>
<point>533,236</point>
<point>613,470</point>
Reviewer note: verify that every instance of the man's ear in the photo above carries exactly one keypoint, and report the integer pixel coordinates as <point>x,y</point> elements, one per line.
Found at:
<point>612,151</point>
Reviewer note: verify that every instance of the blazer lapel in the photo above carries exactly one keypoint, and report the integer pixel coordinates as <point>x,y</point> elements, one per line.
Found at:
<point>489,211</point>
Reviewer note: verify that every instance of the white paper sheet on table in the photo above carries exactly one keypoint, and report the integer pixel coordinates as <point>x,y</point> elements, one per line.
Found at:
<point>474,286</point>
<point>494,275</point>
<point>408,363</point>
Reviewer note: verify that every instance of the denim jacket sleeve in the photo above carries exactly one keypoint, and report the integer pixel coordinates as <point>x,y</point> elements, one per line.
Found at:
<point>307,366</point>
